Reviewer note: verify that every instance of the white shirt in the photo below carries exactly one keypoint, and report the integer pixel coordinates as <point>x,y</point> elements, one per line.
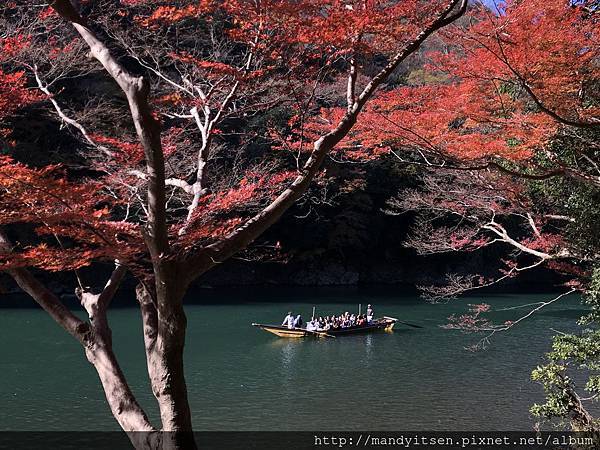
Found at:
<point>289,321</point>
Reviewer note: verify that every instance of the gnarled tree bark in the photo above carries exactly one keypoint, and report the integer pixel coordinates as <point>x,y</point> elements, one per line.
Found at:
<point>166,357</point>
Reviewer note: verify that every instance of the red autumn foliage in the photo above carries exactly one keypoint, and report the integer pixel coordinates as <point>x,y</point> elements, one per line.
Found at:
<point>220,213</point>
<point>14,94</point>
<point>472,321</point>
<point>214,68</point>
<point>73,219</point>
<point>507,84</point>
<point>286,46</point>
<point>475,109</point>
<point>126,152</point>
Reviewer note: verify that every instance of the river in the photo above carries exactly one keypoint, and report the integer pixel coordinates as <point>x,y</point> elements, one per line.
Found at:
<point>242,378</point>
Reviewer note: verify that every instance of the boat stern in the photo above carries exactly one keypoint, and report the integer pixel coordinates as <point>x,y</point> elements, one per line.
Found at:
<point>391,321</point>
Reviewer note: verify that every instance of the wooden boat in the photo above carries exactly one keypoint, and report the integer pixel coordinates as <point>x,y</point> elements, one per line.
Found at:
<point>385,323</point>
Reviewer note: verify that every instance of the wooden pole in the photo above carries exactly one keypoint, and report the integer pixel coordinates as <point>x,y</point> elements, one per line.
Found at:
<point>359,308</point>
<point>313,315</point>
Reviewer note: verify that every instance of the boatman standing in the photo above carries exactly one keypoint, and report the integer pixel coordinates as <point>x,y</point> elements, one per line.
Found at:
<point>369,313</point>
<point>288,321</point>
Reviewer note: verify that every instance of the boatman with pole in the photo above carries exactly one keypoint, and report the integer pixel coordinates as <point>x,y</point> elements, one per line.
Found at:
<point>369,313</point>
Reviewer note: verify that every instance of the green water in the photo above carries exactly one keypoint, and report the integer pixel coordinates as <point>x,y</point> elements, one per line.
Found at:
<point>241,378</point>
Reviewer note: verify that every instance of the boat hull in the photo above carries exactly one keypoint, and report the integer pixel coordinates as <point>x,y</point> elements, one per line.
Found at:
<point>385,324</point>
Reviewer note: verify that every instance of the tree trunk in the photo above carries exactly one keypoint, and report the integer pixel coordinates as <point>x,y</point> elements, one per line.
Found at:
<point>164,340</point>
<point>98,350</point>
<point>121,401</point>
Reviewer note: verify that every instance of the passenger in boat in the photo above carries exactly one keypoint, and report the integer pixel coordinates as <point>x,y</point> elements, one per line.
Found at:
<point>312,325</point>
<point>298,321</point>
<point>288,321</point>
<point>369,313</point>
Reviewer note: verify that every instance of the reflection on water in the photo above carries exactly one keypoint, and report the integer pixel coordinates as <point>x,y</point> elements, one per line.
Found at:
<point>289,348</point>
<point>368,345</point>
<point>242,378</point>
